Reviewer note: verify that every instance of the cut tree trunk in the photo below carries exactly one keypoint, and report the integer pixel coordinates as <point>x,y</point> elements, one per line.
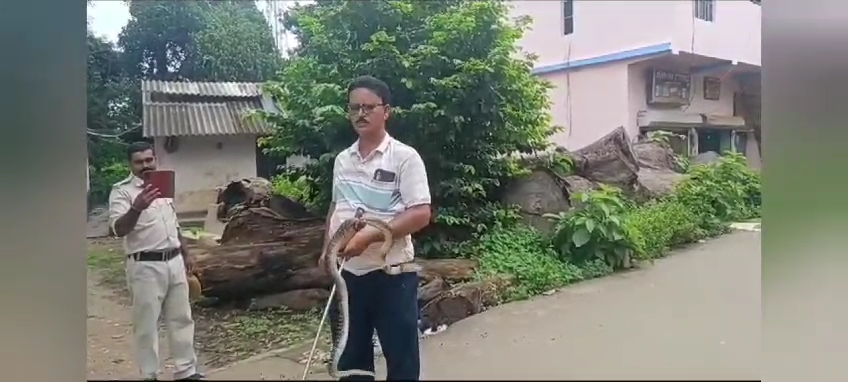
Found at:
<point>263,253</point>
<point>608,160</point>
<point>264,225</point>
<point>451,270</point>
<point>430,290</point>
<point>238,272</point>
<point>463,301</point>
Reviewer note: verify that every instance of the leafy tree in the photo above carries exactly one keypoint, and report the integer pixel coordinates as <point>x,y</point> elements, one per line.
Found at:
<point>198,41</point>
<point>462,97</point>
<point>108,114</point>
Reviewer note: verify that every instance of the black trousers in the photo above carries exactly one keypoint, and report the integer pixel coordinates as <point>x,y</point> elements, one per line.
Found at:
<point>389,304</point>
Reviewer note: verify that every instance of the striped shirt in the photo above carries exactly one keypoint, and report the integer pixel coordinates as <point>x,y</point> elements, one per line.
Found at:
<point>385,183</point>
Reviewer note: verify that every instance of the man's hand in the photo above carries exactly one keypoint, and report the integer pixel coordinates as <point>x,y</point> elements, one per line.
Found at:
<point>188,260</point>
<point>360,241</point>
<point>148,195</point>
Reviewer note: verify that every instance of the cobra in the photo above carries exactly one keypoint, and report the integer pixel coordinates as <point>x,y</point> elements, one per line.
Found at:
<point>343,234</point>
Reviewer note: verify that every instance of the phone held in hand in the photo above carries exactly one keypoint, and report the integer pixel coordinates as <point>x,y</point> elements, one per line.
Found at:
<point>163,180</point>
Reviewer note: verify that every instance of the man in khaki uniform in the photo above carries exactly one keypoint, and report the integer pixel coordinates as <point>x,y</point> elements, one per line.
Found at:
<point>157,262</point>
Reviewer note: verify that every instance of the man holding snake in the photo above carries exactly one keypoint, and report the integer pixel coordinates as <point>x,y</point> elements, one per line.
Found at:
<point>387,180</point>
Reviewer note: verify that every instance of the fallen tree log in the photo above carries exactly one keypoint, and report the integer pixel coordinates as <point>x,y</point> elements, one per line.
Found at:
<point>430,290</point>
<point>451,270</point>
<point>256,192</point>
<point>244,271</point>
<point>608,160</point>
<point>263,225</point>
<point>463,301</point>
<point>237,272</point>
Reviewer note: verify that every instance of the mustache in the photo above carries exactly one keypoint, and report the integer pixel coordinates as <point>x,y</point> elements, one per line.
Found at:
<point>361,120</point>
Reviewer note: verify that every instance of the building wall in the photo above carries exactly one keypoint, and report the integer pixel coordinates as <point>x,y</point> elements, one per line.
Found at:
<point>734,35</point>
<point>638,95</point>
<point>598,103</point>
<point>607,96</point>
<point>606,27</point>
<point>201,167</point>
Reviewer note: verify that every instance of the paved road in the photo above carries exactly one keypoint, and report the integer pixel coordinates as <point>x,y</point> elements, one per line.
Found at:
<point>694,315</point>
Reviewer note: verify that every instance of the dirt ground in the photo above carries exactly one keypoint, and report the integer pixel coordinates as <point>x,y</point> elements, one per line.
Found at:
<point>223,335</point>
<point>109,334</point>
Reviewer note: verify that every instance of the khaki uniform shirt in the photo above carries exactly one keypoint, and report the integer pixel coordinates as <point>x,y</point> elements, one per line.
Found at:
<point>157,228</point>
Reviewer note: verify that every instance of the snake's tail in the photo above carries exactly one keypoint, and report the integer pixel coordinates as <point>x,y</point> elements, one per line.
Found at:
<point>318,335</point>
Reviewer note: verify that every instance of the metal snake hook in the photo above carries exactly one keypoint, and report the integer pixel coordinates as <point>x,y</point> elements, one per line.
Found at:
<point>320,326</point>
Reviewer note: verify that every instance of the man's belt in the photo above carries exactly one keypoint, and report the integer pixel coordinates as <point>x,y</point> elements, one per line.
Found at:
<point>165,255</point>
<point>406,267</point>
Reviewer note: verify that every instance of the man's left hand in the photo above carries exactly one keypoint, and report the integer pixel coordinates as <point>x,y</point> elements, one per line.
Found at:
<point>359,242</point>
<point>188,260</point>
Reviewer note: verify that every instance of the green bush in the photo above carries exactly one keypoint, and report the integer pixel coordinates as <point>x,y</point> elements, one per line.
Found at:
<point>595,229</point>
<point>524,253</point>
<point>297,189</point>
<point>101,180</point>
<point>661,225</point>
<point>461,103</point>
<point>721,192</point>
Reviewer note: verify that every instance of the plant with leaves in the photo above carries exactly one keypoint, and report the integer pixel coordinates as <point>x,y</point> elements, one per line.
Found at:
<point>661,225</point>
<point>108,115</point>
<point>296,190</point>
<point>465,103</point>
<point>595,229</point>
<point>525,254</point>
<point>721,192</point>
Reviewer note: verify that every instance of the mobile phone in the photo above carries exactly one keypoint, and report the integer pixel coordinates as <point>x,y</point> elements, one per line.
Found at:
<point>163,180</point>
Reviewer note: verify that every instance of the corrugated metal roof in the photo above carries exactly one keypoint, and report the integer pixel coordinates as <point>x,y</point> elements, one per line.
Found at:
<point>200,119</point>
<point>209,89</point>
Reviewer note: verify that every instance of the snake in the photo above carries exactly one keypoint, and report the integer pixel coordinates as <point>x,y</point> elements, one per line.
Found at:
<point>340,238</point>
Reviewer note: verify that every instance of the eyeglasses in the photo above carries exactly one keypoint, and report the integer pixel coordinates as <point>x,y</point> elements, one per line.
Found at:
<point>365,108</point>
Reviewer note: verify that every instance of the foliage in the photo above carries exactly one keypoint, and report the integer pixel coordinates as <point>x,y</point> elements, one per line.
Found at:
<point>720,192</point>
<point>524,253</point>
<point>104,177</point>
<point>297,190</point>
<point>661,225</point>
<point>107,115</point>
<point>198,41</point>
<point>464,103</point>
<point>235,44</point>
<point>595,229</point>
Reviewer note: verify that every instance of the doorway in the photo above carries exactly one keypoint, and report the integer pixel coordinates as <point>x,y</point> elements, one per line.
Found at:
<point>713,140</point>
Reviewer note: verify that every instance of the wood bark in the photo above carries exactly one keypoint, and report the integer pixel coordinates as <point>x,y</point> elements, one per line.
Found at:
<point>608,160</point>
<point>264,225</point>
<point>263,253</point>
<point>463,300</point>
<point>451,270</point>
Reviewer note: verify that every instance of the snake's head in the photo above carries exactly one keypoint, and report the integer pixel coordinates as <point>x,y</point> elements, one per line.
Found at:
<point>360,212</point>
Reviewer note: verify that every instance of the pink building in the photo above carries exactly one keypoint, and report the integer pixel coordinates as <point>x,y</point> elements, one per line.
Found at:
<point>689,66</point>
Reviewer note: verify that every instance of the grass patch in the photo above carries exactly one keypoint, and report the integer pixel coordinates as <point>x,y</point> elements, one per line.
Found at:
<point>108,263</point>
